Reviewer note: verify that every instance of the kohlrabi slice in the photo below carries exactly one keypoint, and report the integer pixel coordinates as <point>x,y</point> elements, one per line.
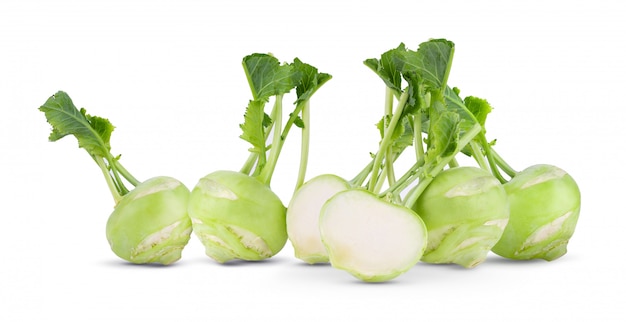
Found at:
<point>545,204</point>
<point>370,238</point>
<point>149,223</point>
<point>237,217</point>
<point>303,215</point>
<point>465,210</point>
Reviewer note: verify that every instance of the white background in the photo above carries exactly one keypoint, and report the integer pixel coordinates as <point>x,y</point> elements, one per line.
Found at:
<point>168,76</point>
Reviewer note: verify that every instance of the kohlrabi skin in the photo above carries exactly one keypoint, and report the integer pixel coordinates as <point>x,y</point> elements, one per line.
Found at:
<point>545,204</point>
<point>465,210</point>
<point>372,239</point>
<point>303,214</point>
<point>237,217</point>
<point>150,223</point>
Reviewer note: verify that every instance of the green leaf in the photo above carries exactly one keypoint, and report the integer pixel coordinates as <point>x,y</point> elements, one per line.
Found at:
<point>455,103</point>
<point>478,107</point>
<point>92,132</point>
<point>267,77</point>
<point>431,61</point>
<point>387,67</point>
<point>253,126</point>
<point>415,102</point>
<point>298,121</point>
<point>381,125</point>
<point>444,136</point>
<point>402,135</point>
<point>267,121</point>
<point>309,80</point>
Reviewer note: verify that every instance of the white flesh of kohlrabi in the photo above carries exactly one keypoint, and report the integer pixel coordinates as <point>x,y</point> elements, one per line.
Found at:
<point>371,239</point>
<point>303,215</point>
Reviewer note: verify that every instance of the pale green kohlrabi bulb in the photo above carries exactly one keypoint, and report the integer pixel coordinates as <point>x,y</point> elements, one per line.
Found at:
<point>545,204</point>
<point>237,217</point>
<point>465,210</point>
<point>150,223</point>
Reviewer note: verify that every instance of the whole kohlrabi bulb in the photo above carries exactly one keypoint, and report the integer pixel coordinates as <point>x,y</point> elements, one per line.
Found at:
<point>150,223</point>
<point>237,217</point>
<point>545,204</point>
<point>465,210</point>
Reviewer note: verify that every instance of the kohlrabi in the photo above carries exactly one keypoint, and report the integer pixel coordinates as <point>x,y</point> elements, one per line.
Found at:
<point>465,210</point>
<point>149,223</point>
<point>545,204</point>
<point>544,201</point>
<point>236,215</point>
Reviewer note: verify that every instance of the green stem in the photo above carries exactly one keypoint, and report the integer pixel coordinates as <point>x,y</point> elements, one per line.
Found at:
<point>492,164</point>
<point>379,182</point>
<point>478,155</point>
<point>292,118</point>
<point>384,144</point>
<point>389,96</point>
<point>116,177</point>
<point>388,101</point>
<point>409,177</point>
<point>304,147</point>
<point>247,167</point>
<point>390,173</point>
<point>502,164</point>
<point>358,180</point>
<point>122,170</point>
<point>453,163</point>
<point>117,196</point>
<point>417,135</point>
<point>277,141</point>
<point>268,170</point>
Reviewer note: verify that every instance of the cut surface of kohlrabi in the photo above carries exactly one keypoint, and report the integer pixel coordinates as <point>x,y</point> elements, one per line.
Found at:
<point>370,238</point>
<point>303,214</point>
